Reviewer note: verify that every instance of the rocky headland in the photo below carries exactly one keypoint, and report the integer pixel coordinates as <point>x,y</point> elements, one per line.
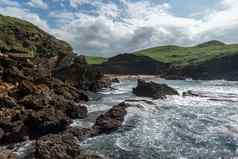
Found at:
<point>211,60</point>
<point>43,87</point>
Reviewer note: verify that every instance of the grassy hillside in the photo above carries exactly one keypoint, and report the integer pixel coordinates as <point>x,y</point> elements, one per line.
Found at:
<point>19,36</point>
<point>183,56</point>
<point>93,60</point>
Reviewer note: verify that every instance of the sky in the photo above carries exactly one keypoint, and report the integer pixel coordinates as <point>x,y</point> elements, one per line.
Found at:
<point>110,27</point>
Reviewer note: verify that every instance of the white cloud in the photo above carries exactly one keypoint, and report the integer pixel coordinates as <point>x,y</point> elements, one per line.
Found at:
<point>76,3</point>
<point>38,4</point>
<point>9,3</point>
<point>26,15</point>
<point>130,26</point>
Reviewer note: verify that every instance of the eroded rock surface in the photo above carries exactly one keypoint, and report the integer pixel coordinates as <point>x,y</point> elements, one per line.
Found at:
<point>153,90</point>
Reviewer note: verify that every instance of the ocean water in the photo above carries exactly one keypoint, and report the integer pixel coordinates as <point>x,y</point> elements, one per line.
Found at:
<point>175,128</point>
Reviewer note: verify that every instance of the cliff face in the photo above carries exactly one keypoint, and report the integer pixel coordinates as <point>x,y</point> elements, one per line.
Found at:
<point>19,36</point>
<point>132,65</point>
<point>225,67</point>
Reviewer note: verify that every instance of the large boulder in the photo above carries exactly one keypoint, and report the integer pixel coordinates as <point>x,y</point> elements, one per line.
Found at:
<point>153,90</point>
<point>7,102</point>
<point>45,121</point>
<point>57,147</point>
<point>111,120</point>
<point>13,132</point>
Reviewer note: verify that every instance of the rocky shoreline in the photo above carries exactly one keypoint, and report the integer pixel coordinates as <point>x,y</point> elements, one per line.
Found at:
<point>37,106</point>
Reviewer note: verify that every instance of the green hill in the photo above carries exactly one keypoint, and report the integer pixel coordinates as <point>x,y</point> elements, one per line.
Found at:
<point>182,56</point>
<point>19,36</point>
<point>93,60</point>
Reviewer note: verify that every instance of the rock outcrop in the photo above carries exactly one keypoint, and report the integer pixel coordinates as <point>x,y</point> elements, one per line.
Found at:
<point>85,77</point>
<point>111,120</point>
<point>153,90</point>
<point>34,103</point>
<point>65,144</point>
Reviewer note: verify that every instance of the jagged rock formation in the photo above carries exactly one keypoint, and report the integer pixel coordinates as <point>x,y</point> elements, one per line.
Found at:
<point>225,67</point>
<point>153,90</point>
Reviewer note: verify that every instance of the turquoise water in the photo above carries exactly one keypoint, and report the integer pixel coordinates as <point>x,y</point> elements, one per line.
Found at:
<point>178,127</point>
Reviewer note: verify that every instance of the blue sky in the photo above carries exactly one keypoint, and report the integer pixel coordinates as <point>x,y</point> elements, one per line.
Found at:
<point>109,27</point>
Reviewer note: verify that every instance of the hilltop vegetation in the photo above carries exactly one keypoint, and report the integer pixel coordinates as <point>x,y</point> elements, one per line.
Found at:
<point>183,56</point>
<point>93,60</point>
<point>19,36</point>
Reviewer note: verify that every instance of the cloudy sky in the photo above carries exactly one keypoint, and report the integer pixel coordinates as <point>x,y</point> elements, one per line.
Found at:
<point>109,27</point>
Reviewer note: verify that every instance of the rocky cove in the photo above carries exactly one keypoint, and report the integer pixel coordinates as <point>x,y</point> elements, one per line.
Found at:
<point>54,105</point>
<point>45,116</point>
<point>40,99</point>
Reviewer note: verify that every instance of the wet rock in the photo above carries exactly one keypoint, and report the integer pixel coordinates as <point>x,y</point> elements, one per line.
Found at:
<point>57,147</point>
<point>81,133</point>
<point>153,90</point>
<point>88,156</point>
<point>45,121</point>
<point>191,93</point>
<point>11,122</point>
<point>13,132</point>
<point>111,120</point>
<point>77,111</point>
<point>115,80</point>
<point>7,102</point>
<point>173,77</point>
<point>1,133</point>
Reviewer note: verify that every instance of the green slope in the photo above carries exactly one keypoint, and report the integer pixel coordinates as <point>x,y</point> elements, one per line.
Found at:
<point>93,60</point>
<point>19,36</point>
<point>183,56</point>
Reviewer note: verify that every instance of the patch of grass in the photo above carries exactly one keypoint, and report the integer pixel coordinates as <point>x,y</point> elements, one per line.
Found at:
<point>182,56</point>
<point>19,36</point>
<point>93,60</point>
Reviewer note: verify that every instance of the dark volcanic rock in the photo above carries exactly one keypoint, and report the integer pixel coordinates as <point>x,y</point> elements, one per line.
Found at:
<point>111,120</point>
<point>13,132</point>
<point>115,80</point>
<point>35,102</point>
<point>46,121</point>
<point>84,76</point>
<point>76,111</point>
<point>129,64</point>
<point>57,147</point>
<point>1,133</point>
<point>153,90</point>
<point>81,133</point>
<point>7,102</point>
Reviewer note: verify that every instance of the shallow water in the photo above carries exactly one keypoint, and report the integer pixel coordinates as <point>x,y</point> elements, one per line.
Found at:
<point>178,127</point>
